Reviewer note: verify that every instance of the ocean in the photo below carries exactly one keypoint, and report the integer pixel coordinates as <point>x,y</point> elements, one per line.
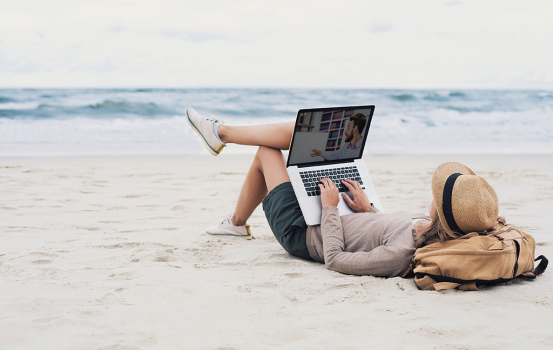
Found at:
<point>100,122</point>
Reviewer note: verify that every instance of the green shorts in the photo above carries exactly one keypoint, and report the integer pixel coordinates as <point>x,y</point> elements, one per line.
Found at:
<point>284,215</point>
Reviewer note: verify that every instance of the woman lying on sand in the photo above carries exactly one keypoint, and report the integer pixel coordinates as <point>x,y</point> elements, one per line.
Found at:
<point>365,243</point>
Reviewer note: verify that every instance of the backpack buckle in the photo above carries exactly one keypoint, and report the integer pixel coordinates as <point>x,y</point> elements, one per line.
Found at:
<point>501,239</point>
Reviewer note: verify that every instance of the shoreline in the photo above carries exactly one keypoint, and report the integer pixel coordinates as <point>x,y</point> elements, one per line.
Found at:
<point>252,152</point>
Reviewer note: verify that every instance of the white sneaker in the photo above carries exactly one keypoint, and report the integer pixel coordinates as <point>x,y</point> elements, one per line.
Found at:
<point>204,127</point>
<point>226,229</point>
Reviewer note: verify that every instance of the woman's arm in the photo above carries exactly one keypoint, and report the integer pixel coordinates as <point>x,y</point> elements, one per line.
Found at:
<point>386,260</point>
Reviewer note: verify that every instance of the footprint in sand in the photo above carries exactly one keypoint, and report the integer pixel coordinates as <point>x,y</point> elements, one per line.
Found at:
<point>36,171</point>
<point>293,275</point>
<point>88,228</point>
<point>45,319</point>
<point>117,208</point>
<point>165,258</point>
<point>41,262</point>
<point>125,245</point>
<point>122,276</point>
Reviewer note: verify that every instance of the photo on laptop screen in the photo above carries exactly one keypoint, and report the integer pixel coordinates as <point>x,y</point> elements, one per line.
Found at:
<point>329,134</point>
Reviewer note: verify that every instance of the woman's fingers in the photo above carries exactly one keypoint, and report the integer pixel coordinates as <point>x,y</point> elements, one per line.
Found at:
<point>324,184</point>
<point>348,184</point>
<point>328,182</point>
<point>329,193</point>
<point>352,185</point>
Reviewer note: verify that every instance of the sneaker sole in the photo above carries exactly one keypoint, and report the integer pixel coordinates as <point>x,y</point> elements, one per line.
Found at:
<point>207,146</point>
<point>249,236</point>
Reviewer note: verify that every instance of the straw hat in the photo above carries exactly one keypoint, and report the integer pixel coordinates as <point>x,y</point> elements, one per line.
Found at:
<point>465,202</point>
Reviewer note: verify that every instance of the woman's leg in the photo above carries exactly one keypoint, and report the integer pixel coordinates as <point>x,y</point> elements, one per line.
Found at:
<point>270,135</point>
<point>267,171</point>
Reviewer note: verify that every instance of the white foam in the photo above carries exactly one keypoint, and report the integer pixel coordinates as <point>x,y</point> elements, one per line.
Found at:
<point>100,137</point>
<point>437,131</point>
<point>19,106</point>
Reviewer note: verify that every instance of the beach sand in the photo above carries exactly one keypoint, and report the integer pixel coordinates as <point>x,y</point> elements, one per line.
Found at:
<point>110,253</point>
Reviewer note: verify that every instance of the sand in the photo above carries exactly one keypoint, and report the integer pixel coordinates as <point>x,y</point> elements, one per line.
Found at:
<point>110,253</point>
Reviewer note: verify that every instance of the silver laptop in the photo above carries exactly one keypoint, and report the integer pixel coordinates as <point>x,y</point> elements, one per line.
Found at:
<point>329,142</point>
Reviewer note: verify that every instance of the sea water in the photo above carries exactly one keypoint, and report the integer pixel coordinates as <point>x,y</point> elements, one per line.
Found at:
<point>77,122</point>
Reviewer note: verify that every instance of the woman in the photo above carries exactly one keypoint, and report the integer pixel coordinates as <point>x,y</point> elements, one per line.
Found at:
<point>365,243</point>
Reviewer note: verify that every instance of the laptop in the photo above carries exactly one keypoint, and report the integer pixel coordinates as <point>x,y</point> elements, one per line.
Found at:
<point>329,142</point>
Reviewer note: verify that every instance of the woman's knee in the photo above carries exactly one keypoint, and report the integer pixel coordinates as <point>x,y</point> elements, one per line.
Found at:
<point>271,163</point>
<point>266,152</point>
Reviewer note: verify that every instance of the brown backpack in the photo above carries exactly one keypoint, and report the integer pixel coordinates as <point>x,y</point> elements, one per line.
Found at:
<point>477,258</point>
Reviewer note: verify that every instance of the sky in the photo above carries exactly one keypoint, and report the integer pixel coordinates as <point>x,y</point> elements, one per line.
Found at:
<point>279,43</point>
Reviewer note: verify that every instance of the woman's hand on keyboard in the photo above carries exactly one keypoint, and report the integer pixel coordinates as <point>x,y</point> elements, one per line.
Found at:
<point>329,193</point>
<point>360,202</point>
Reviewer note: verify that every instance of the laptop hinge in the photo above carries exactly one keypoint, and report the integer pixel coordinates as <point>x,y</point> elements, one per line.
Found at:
<point>341,161</point>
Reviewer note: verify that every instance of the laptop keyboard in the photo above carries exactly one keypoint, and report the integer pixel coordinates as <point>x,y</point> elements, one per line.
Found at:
<point>311,178</point>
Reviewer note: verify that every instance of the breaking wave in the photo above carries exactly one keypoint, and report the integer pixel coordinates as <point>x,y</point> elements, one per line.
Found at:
<point>151,121</point>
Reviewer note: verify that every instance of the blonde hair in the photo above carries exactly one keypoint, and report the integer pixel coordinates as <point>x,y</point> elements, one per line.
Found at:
<point>435,233</point>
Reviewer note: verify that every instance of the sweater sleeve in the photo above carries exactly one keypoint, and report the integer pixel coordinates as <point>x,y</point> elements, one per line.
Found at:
<point>385,260</point>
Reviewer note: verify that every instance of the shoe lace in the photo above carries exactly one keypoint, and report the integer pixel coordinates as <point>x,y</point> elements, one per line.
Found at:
<point>227,218</point>
<point>211,118</point>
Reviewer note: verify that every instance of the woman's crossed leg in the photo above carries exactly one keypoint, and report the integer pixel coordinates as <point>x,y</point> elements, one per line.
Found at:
<point>268,168</point>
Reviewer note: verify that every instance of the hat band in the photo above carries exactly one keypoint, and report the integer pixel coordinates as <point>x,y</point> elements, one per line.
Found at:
<point>446,203</point>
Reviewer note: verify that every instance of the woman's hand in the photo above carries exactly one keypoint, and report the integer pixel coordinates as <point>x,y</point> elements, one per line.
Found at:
<point>329,193</point>
<point>360,202</point>
<point>422,226</point>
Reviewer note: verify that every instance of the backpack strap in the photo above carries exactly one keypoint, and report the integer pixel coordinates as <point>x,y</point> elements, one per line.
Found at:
<point>542,265</point>
<point>428,283</point>
<point>468,286</point>
<point>538,270</point>
<point>425,282</point>
<point>446,285</point>
<point>409,272</point>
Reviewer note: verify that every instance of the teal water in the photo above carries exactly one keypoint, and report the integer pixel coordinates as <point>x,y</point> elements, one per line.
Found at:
<point>151,121</point>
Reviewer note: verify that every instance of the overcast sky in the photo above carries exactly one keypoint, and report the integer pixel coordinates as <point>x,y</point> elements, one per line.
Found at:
<point>255,43</point>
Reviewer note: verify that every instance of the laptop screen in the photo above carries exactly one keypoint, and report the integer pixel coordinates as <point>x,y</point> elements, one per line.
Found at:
<point>330,134</point>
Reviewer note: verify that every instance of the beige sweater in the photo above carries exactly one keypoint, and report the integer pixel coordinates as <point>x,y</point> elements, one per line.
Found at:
<point>370,243</point>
